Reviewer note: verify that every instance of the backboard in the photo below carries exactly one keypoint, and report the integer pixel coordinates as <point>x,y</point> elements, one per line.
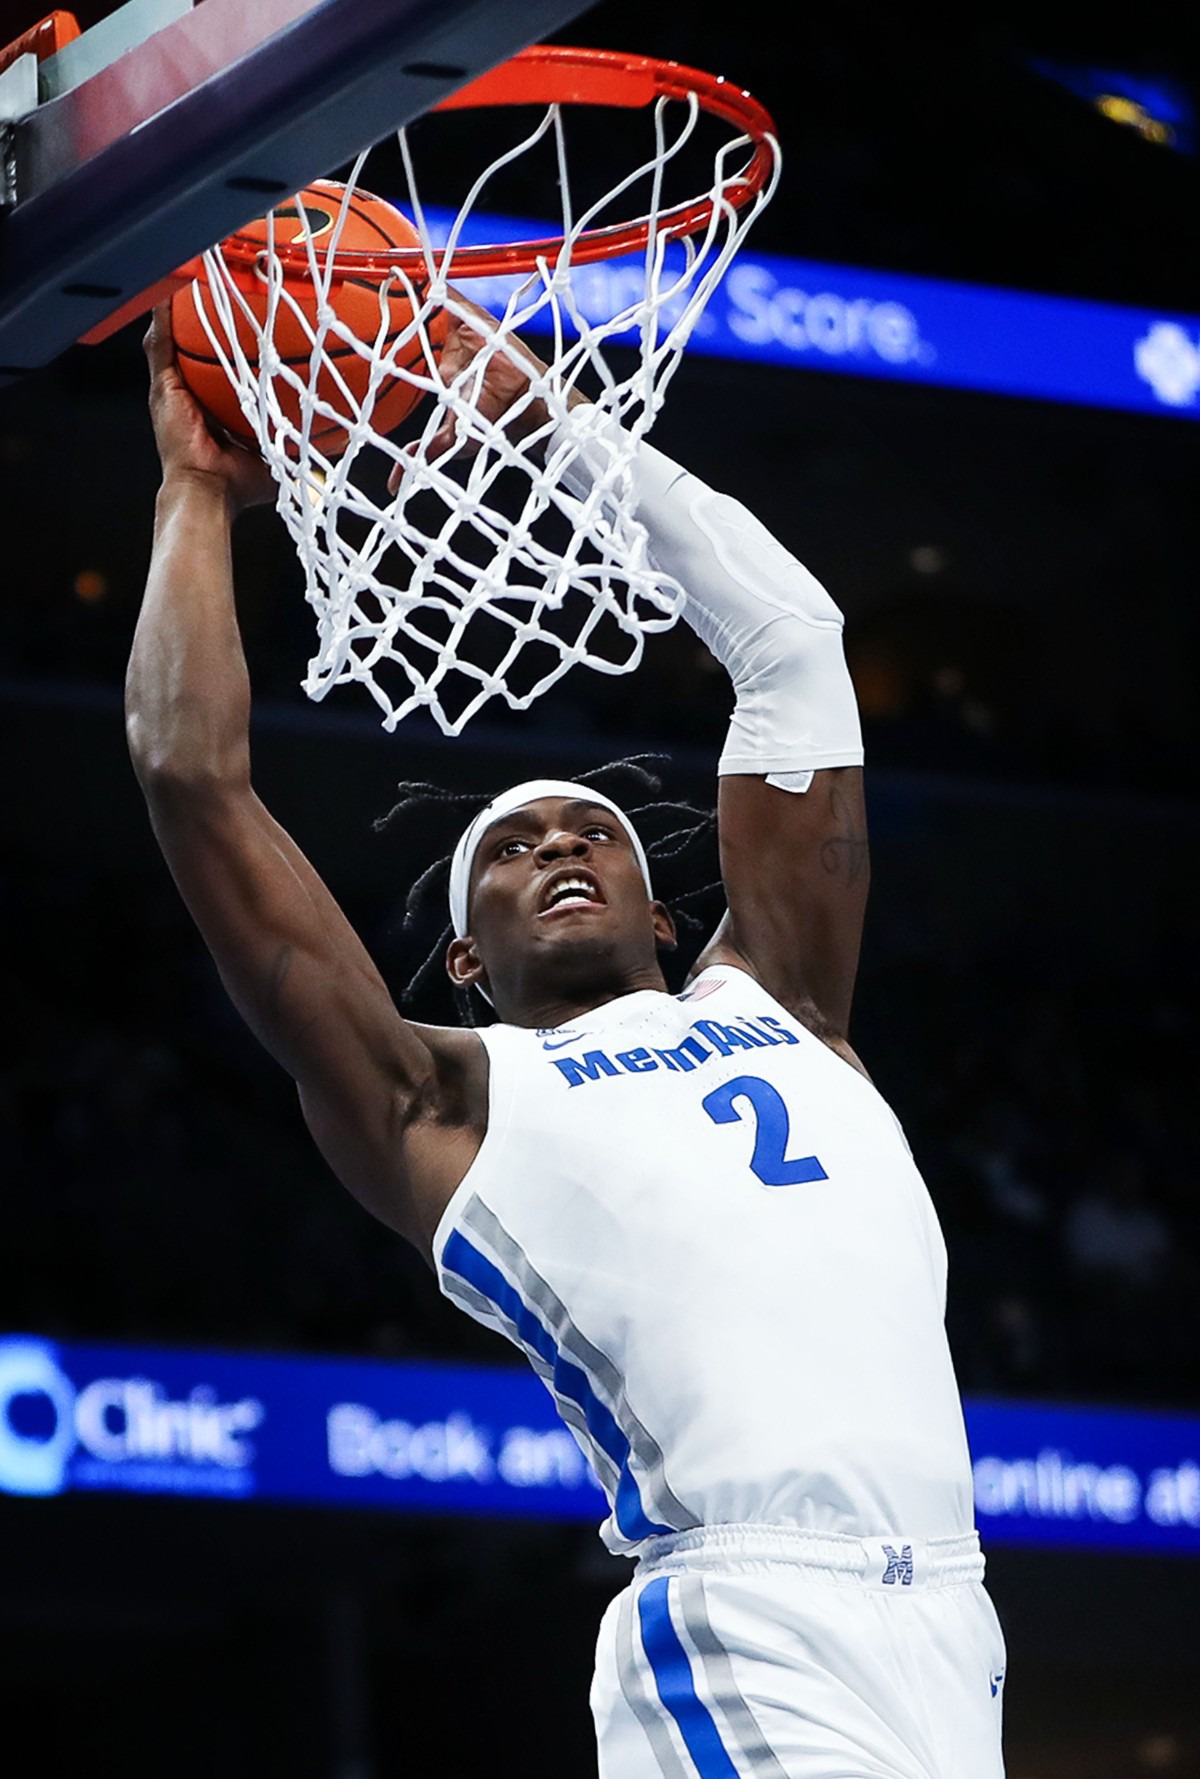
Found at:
<point>136,145</point>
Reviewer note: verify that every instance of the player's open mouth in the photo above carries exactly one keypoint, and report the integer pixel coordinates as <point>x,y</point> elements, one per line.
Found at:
<point>575,889</point>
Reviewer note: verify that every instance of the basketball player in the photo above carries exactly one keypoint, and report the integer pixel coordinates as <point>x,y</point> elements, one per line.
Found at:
<point>694,1213</point>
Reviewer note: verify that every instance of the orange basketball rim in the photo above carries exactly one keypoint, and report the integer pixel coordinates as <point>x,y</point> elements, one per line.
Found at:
<point>547,74</point>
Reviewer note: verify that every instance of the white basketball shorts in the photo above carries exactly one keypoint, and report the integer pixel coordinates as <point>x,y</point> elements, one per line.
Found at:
<point>751,1652</point>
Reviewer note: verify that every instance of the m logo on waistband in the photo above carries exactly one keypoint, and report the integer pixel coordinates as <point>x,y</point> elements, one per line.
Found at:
<point>899,1566</point>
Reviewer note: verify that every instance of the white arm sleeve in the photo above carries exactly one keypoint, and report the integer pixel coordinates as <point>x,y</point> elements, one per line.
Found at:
<point>768,621</point>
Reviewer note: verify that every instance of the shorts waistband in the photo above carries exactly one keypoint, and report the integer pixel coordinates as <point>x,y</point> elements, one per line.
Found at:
<point>895,1564</point>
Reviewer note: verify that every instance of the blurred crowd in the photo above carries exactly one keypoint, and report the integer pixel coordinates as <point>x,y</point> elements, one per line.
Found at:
<point>1057,1128</point>
<point>162,1187</point>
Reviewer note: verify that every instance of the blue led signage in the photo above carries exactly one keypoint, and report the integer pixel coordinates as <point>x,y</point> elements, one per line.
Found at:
<point>1089,1477</point>
<point>343,1432</point>
<point>476,1440</point>
<point>812,316</point>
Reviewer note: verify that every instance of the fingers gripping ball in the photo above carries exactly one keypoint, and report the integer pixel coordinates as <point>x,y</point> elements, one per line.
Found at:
<point>372,310</point>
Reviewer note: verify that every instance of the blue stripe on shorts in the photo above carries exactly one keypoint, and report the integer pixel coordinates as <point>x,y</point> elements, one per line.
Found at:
<point>673,1677</point>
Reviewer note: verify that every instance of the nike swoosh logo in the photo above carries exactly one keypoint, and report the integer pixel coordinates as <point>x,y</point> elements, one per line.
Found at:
<point>563,1042</point>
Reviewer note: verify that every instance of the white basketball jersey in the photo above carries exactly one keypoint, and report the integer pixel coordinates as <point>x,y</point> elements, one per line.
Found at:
<point>707,1232</point>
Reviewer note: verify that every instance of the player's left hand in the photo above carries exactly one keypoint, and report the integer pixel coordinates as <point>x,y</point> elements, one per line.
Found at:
<point>504,380</point>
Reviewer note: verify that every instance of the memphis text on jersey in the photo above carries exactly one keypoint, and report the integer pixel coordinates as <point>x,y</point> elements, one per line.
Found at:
<point>709,1038</point>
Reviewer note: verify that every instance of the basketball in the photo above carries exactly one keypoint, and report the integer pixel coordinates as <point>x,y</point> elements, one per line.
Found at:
<point>371,224</point>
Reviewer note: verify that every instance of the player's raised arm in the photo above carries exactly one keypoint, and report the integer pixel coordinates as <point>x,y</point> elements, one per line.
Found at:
<point>791,814</point>
<point>397,1109</point>
<point>791,811</point>
<point>792,819</point>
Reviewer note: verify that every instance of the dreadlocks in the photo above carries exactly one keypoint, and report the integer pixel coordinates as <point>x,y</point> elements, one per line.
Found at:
<point>677,835</point>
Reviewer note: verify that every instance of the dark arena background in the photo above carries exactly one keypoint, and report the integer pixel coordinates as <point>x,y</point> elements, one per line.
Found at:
<point>1011,525</point>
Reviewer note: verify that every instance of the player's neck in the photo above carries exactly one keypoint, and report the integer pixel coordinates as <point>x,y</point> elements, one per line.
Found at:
<point>560,1006</point>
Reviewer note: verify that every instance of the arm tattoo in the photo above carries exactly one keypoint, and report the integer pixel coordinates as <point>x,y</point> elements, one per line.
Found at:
<point>845,849</point>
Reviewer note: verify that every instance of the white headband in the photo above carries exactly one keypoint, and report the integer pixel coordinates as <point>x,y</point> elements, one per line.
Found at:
<point>508,801</point>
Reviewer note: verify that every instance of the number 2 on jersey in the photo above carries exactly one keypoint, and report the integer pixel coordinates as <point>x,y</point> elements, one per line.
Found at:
<point>771,1129</point>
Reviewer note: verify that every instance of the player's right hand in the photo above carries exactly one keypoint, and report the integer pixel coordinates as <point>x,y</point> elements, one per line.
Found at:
<point>186,446</point>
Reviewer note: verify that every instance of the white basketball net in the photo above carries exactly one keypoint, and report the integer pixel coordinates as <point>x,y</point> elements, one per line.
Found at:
<point>483,576</point>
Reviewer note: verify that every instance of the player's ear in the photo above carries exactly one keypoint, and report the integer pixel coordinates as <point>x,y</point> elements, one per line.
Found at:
<point>463,963</point>
<point>665,938</point>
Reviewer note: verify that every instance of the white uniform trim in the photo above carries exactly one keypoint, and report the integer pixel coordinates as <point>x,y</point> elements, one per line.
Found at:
<point>897,1563</point>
